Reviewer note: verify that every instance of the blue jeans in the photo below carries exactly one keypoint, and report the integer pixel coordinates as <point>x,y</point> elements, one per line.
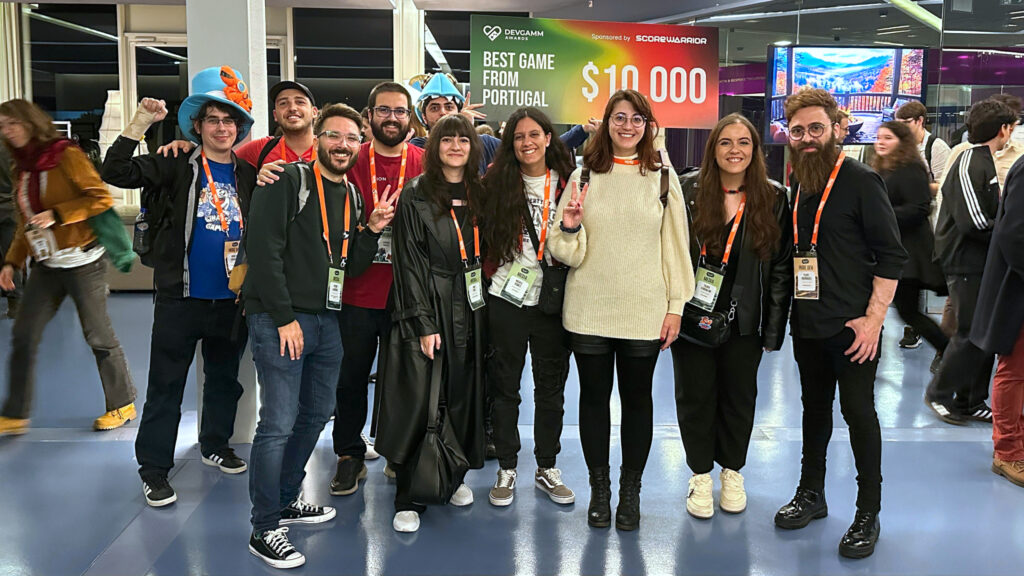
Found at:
<point>296,401</point>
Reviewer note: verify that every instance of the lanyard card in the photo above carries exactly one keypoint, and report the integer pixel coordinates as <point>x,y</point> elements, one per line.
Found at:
<point>517,285</point>
<point>805,276</point>
<point>230,255</point>
<point>384,247</point>
<point>708,288</point>
<point>335,285</point>
<point>475,287</point>
<point>42,242</point>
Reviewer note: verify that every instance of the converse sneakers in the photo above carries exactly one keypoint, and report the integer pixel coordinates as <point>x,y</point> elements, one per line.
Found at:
<point>300,512</point>
<point>733,498</point>
<point>226,460</point>
<point>699,501</point>
<point>407,521</point>
<point>274,548</point>
<point>158,491</point>
<point>549,481</point>
<point>463,496</point>
<point>504,489</point>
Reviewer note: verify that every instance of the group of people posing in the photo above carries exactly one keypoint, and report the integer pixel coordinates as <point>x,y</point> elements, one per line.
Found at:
<point>454,259</point>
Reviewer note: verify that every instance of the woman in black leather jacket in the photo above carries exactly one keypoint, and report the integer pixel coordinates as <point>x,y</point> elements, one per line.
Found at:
<point>739,222</point>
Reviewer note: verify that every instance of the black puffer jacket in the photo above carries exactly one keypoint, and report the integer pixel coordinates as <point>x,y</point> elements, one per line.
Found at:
<point>767,285</point>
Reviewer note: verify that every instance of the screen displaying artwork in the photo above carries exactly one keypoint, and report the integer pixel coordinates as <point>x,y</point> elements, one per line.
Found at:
<point>869,83</point>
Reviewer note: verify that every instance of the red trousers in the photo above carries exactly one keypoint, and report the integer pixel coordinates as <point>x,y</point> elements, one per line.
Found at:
<point>1007,403</point>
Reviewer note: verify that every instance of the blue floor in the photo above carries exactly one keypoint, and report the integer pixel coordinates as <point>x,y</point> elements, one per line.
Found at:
<point>72,502</point>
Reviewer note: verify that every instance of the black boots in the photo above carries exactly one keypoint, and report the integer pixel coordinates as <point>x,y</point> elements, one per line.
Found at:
<point>805,506</point>
<point>859,541</point>
<point>599,514</point>
<point>627,514</point>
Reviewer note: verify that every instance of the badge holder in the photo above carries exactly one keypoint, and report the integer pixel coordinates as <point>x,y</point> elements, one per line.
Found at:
<point>231,255</point>
<point>709,281</point>
<point>475,287</point>
<point>805,275</point>
<point>383,255</point>
<point>42,242</point>
<point>335,286</point>
<point>518,284</point>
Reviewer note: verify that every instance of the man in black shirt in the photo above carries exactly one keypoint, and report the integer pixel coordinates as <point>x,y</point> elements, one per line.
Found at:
<point>970,197</point>
<point>847,262</point>
<point>305,234</point>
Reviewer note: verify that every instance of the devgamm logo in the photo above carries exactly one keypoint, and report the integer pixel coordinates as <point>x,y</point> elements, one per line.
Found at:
<point>492,32</point>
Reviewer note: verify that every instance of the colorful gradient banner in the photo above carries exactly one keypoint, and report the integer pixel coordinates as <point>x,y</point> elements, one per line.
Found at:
<point>569,68</point>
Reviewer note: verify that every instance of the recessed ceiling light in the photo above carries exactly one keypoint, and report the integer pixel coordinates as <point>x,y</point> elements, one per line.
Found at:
<point>784,43</point>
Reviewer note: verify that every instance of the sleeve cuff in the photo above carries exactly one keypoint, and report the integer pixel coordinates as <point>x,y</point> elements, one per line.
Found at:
<point>282,316</point>
<point>676,306</point>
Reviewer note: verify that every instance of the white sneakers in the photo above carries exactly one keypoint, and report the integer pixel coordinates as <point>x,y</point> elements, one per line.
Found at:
<point>700,502</point>
<point>371,452</point>
<point>733,498</point>
<point>463,496</point>
<point>408,521</point>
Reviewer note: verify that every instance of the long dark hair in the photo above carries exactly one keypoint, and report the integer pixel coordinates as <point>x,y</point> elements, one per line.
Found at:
<point>504,203</point>
<point>598,154</point>
<point>436,189</point>
<point>709,216</point>
<point>905,153</point>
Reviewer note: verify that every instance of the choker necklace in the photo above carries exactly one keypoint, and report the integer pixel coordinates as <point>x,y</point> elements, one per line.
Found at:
<point>736,191</point>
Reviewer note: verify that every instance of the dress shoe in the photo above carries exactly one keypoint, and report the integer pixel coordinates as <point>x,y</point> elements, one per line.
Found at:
<point>805,506</point>
<point>859,541</point>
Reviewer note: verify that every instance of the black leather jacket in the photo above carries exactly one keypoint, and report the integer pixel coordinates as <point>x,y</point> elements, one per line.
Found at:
<point>764,301</point>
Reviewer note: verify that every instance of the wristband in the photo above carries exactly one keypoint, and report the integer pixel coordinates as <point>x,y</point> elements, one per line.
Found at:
<point>577,228</point>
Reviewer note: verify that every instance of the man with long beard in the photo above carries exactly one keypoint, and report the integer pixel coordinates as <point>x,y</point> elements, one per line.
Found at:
<point>305,234</point>
<point>847,262</point>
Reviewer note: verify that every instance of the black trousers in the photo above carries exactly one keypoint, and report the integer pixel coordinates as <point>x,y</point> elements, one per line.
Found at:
<point>908,304</point>
<point>716,391</point>
<point>963,378</point>
<point>822,363</point>
<point>178,325</point>
<point>512,330</point>
<point>362,330</point>
<point>598,361</point>
<point>8,227</point>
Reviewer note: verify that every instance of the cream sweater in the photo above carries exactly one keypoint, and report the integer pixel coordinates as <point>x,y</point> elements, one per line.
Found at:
<point>630,261</point>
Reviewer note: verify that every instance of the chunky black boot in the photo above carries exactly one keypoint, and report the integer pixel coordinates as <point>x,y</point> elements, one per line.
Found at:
<point>805,506</point>
<point>860,539</point>
<point>599,515</point>
<point>627,514</point>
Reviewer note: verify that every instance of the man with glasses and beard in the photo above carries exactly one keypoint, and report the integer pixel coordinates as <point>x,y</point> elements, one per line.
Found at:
<point>306,234</point>
<point>847,262</point>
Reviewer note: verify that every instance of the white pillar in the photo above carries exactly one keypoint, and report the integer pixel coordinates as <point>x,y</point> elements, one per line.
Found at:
<point>233,33</point>
<point>10,52</point>
<point>408,40</point>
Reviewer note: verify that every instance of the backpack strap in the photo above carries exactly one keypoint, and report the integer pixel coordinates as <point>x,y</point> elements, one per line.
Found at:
<point>928,154</point>
<point>267,148</point>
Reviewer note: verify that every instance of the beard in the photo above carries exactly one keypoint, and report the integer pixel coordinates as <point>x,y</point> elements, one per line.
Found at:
<point>812,169</point>
<point>338,167</point>
<point>381,136</point>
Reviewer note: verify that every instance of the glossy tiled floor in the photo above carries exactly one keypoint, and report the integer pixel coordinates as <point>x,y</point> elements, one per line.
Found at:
<point>72,504</point>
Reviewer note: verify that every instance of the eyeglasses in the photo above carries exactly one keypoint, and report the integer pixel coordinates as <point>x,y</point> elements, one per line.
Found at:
<point>213,121</point>
<point>636,120</point>
<point>334,137</point>
<point>437,107</point>
<point>384,112</point>
<point>815,130</point>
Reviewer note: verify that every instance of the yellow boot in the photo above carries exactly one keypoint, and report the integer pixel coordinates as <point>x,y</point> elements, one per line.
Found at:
<point>13,426</point>
<point>115,418</point>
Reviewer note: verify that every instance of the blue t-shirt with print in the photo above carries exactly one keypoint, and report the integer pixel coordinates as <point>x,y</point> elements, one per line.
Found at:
<point>207,276</point>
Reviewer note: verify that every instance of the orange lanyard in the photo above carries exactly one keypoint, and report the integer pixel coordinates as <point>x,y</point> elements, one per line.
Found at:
<point>627,161</point>
<point>224,226</point>
<point>283,150</point>
<point>323,217</point>
<point>821,206</point>
<point>462,243</point>
<point>732,234</point>
<point>546,213</point>
<point>373,173</point>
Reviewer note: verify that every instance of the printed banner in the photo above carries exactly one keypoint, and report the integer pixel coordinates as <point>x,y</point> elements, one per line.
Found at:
<point>569,68</point>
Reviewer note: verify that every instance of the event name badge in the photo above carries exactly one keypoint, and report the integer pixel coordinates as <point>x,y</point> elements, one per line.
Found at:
<point>383,255</point>
<point>709,286</point>
<point>335,286</point>
<point>805,276</point>
<point>42,242</point>
<point>475,287</point>
<point>517,285</point>
<point>230,255</point>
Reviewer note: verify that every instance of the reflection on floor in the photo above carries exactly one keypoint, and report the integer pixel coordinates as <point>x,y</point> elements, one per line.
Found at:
<point>72,501</point>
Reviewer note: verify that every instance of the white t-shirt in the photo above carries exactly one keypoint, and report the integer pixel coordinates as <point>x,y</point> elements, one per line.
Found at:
<point>940,154</point>
<point>534,186</point>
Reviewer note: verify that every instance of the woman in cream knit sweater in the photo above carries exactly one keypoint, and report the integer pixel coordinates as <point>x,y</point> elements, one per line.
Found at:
<point>630,277</point>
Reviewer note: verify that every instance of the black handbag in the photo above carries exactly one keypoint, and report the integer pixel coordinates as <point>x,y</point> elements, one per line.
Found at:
<point>440,464</point>
<point>709,329</point>
<point>552,285</point>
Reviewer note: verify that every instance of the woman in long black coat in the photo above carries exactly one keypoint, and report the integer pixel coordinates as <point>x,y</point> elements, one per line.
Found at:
<point>906,180</point>
<point>434,319</point>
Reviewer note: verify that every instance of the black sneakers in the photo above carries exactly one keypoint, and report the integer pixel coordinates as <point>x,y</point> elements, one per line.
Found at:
<point>947,414</point>
<point>980,412</point>
<point>158,491</point>
<point>911,339</point>
<point>346,479</point>
<point>274,548</point>
<point>299,512</point>
<point>226,460</point>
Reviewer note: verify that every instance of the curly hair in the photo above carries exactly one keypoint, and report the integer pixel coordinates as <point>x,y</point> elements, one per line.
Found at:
<point>808,97</point>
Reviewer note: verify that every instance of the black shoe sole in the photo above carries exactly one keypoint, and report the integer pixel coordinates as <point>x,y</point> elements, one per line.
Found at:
<point>353,488</point>
<point>626,527</point>
<point>787,524</point>
<point>598,523</point>
<point>859,553</point>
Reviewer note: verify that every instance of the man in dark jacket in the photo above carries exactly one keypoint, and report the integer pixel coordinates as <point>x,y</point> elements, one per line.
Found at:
<point>970,197</point>
<point>8,226</point>
<point>198,205</point>
<point>306,234</point>
<point>1000,327</point>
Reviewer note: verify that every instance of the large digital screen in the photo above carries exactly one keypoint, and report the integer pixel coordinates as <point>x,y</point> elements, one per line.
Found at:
<point>869,83</point>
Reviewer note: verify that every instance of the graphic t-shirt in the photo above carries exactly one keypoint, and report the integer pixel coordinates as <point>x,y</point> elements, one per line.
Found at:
<point>208,278</point>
